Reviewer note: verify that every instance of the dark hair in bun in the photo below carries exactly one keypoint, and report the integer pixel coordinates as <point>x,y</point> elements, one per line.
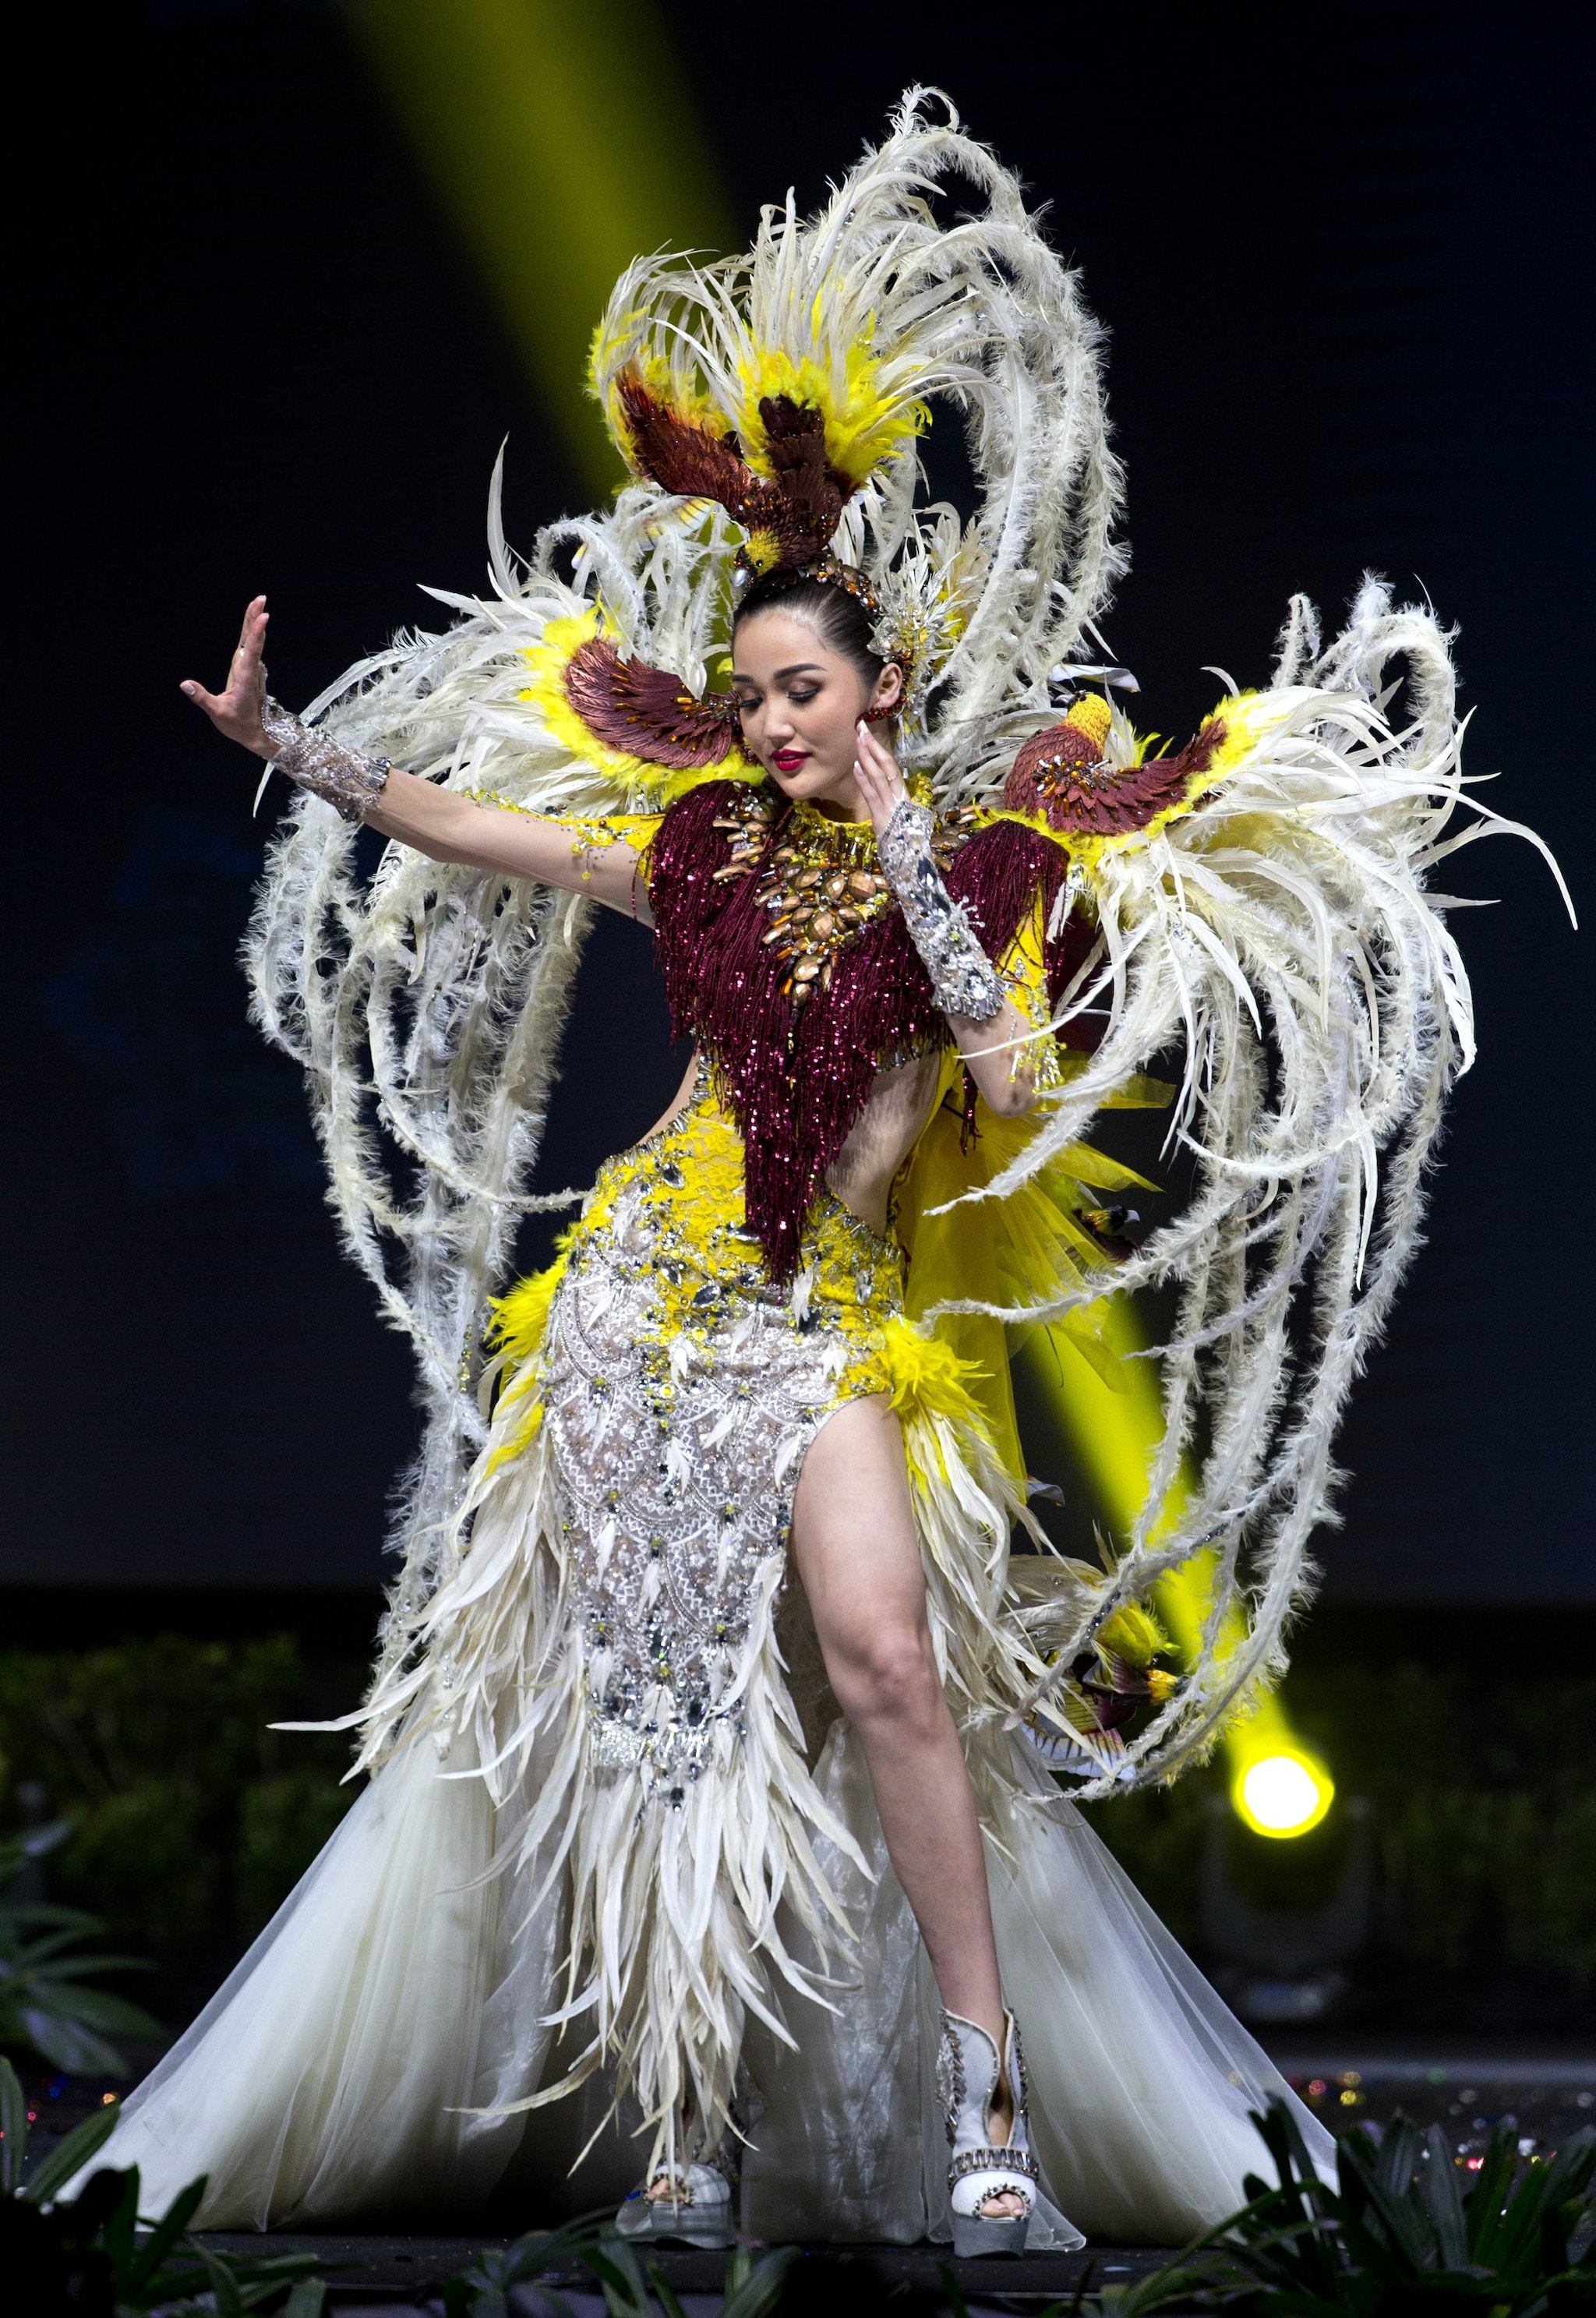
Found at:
<point>839,619</point>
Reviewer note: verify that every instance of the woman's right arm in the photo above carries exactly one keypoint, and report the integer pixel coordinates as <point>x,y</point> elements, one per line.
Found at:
<point>433,820</point>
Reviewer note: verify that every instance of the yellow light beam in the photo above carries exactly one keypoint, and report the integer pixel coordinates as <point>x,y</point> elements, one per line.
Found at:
<point>560,139</point>
<point>1114,1435</point>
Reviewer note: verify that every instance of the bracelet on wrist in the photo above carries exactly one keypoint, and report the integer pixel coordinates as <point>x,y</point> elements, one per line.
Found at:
<point>963,979</point>
<point>351,783</point>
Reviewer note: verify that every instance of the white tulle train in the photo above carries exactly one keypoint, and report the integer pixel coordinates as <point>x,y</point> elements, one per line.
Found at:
<point>350,2065</point>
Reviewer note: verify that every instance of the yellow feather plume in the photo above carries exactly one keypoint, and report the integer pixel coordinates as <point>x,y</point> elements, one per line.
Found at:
<point>863,427</point>
<point>517,1332</point>
<point>928,1378</point>
<point>1133,1634</point>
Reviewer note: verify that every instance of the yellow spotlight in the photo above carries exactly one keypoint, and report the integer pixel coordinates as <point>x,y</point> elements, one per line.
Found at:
<point>563,140</point>
<point>1283,1794</point>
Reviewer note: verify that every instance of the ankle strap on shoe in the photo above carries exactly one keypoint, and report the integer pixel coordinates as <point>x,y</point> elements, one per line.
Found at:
<point>992,2160</point>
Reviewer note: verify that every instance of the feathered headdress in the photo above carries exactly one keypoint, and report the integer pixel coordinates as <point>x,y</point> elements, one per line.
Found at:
<point>771,406</point>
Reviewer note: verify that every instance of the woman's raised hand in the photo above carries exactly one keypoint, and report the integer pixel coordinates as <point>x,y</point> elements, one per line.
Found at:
<point>877,778</point>
<point>237,710</point>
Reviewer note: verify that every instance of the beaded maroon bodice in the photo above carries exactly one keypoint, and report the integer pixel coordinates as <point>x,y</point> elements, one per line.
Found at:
<point>795,1077</point>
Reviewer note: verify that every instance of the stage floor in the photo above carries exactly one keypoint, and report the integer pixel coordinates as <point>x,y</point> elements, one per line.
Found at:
<point>397,2275</point>
<point>1543,2094</point>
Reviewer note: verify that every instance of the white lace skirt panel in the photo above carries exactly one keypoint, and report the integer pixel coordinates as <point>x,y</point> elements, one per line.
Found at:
<point>677,1466</point>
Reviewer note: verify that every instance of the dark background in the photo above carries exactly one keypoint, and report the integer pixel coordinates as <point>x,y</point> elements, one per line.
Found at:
<point>1343,255</point>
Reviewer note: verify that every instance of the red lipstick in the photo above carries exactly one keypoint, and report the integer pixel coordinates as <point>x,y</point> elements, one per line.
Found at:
<point>787,760</point>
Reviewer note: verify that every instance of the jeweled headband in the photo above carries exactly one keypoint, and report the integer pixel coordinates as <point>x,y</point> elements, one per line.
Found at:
<point>829,570</point>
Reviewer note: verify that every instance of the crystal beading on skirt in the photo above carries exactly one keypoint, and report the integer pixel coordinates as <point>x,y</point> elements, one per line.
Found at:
<point>681,1390</point>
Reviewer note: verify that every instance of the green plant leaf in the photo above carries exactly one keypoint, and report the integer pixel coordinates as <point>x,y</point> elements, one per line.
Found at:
<point>14,2129</point>
<point>525,2257</point>
<point>758,2285</point>
<point>615,2267</point>
<point>18,1912</point>
<point>256,2282</point>
<point>92,2008</point>
<point>229,2301</point>
<point>119,2230</point>
<point>1437,2188</point>
<point>1561,2194</point>
<point>165,2233</point>
<point>67,1923</point>
<point>71,2153</point>
<point>40,1840</point>
<point>66,2046</point>
<point>63,1967</point>
<point>1387,2226</point>
<point>546,2250</point>
<point>480,2290</point>
<point>31,1843</point>
<point>1171,2288</point>
<point>1394,2156</point>
<point>306,2301</point>
<point>950,2288</point>
<point>662,2287</point>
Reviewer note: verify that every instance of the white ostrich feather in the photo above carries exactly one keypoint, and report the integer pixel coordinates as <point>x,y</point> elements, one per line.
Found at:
<point>1280,938</point>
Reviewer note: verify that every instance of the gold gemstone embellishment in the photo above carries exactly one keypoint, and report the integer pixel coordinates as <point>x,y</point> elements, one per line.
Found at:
<point>820,886</point>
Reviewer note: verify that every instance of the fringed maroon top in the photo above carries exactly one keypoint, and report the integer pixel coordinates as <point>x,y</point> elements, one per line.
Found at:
<point>795,1078</point>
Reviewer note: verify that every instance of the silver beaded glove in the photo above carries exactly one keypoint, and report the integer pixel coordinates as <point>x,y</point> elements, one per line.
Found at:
<point>963,979</point>
<point>316,761</point>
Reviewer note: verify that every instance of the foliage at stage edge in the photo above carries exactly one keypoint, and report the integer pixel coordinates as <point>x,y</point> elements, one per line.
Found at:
<point>93,2256</point>
<point>43,2004</point>
<point>755,2281</point>
<point>1405,2231</point>
<point>191,1819</point>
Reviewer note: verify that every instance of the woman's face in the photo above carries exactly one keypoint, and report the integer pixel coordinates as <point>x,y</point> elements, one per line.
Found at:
<point>800,702</point>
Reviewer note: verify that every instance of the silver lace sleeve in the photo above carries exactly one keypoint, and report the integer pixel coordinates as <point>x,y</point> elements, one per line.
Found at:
<point>316,761</point>
<point>963,979</point>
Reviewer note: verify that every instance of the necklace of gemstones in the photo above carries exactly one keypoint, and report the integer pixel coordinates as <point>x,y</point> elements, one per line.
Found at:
<point>821,882</point>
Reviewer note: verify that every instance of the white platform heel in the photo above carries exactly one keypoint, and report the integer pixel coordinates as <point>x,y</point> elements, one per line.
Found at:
<point>968,2073</point>
<point>696,2209</point>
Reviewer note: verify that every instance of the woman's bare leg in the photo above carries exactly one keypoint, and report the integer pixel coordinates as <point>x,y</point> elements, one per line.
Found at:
<point>855,1544</point>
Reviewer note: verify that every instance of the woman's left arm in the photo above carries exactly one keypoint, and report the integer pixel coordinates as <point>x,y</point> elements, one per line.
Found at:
<point>993,1036</point>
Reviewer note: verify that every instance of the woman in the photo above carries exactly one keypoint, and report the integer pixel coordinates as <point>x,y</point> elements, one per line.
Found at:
<point>714,1730</point>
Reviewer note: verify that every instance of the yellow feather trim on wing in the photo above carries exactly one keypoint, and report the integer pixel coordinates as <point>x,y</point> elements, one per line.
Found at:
<point>1013,1252</point>
<point>1247,718</point>
<point>618,346</point>
<point>1133,1634</point>
<point>640,782</point>
<point>1092,715</point>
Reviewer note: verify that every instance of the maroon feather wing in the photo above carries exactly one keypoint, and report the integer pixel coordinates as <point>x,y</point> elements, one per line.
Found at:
<point>796,509</point>
<point>680,455</point>
<point>801,502</point>
<point>646,711</point>
<point>1058,774</point>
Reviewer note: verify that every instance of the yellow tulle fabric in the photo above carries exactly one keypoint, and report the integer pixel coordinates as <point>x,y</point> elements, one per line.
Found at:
<point>1014,1251</point>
